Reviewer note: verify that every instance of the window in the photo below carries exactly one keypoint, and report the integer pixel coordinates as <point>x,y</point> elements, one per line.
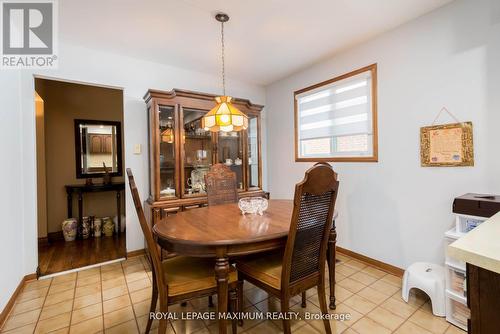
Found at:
<point>336,120</point>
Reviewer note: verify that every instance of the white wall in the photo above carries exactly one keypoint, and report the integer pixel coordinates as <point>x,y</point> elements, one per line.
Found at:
<point>394,210</point>
<point>18,194</point>
<point>11,206</point>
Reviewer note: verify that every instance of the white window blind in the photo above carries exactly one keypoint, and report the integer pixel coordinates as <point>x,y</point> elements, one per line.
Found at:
<point>336,119</point>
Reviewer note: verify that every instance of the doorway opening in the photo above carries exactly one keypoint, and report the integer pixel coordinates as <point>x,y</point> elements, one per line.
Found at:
<point>80,183</point>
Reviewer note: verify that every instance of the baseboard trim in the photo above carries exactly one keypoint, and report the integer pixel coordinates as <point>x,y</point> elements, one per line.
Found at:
<point>135,253</point>
<point>30,277</point>
<point>388,268</point>
<point>43,241</point>
<point>10,304</point>
<point>55,236</point>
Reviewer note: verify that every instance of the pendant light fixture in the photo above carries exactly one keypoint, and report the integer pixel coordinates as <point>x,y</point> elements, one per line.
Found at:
<point>224,116</point>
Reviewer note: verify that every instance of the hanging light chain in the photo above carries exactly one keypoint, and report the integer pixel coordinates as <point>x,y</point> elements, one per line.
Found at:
<point>224,116</point>
<point>223,63</point>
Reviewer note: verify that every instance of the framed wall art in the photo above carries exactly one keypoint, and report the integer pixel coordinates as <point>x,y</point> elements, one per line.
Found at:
<point>447,145</point>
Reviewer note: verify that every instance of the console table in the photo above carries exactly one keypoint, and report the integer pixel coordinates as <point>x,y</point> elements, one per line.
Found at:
<point>80,189</point>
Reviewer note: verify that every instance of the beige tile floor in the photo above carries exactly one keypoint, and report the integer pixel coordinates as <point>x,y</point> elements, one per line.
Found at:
<point>115,299</point>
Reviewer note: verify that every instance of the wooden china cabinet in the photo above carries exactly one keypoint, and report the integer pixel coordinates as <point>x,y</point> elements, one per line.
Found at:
<point>181,152</point>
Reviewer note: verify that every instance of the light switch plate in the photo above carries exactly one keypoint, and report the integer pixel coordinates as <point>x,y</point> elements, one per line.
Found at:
<point>137,149</point>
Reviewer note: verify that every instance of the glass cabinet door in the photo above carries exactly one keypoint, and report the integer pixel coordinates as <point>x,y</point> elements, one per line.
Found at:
<point>253,152</point>
<point>166,124</point>
<point>230,153</point>
<point>197,153</point>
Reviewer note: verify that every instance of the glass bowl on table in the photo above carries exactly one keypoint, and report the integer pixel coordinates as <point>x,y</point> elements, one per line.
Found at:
<point>253,205</point>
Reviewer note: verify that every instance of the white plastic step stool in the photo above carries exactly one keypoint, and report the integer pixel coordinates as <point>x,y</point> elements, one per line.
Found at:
<point>430,278</point>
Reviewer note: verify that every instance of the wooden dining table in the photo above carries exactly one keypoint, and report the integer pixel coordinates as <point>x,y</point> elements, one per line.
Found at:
<point>222,232</point>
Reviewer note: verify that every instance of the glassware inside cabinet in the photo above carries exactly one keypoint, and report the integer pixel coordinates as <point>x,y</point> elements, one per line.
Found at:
<point>166,116</point>
<point>198,151</point>
<point>230,153</point>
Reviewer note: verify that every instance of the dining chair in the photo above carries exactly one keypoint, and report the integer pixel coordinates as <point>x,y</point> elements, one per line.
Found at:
<point>220,182</point>
<point>181,278</point>
<point>301,265</point>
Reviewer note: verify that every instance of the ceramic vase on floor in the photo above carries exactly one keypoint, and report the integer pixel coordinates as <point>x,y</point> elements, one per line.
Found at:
<point>122,224</point>
<point>85,227</point>
<point>69,229</point>
<point>97,227</point>
<point>108,227</point>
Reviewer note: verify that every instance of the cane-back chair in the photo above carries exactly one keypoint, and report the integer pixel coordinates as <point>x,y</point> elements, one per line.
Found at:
<point>181,278</point>
<point>221,186</point>
<point>301,265</point>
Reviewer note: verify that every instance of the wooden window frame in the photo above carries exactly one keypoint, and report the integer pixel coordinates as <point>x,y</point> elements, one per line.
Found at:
<point>374,157</point>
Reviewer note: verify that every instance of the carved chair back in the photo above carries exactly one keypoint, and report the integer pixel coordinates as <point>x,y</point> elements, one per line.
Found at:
<point>312,217</point>
<point>220,183</point>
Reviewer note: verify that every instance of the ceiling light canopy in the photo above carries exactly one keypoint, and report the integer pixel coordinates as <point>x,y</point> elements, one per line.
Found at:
<point>224,116</point>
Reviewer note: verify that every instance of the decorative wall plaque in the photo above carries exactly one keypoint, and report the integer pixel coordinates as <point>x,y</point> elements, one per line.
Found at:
<point>447,145</point>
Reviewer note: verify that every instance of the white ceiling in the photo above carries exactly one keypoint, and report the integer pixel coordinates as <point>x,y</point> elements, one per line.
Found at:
<point>266,40</point>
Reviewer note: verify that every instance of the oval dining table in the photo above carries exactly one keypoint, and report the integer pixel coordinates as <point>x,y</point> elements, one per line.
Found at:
<point>222,232</point>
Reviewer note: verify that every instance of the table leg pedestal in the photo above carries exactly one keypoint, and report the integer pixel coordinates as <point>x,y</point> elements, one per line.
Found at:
<point>222,276</point>
<point>79,229</point>
<point>118,210</point>
<point>69,195</point>
<point>331,264</point>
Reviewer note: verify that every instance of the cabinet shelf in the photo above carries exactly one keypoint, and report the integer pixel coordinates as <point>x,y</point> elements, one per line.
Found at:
<point>194,137</point>
<point>228,137</point>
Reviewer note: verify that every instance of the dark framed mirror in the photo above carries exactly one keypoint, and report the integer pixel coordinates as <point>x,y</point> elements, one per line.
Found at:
<point>98,147</point>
